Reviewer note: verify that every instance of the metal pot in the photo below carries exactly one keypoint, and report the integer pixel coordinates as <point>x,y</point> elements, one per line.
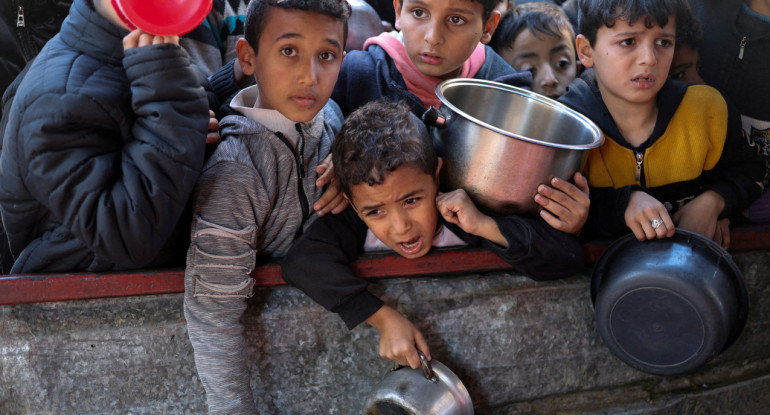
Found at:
<point>668,306</point>
<point>432,390</point>
<point>500,142</point>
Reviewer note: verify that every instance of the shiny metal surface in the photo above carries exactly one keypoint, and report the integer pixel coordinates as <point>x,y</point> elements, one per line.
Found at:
<point>407,391</point>
<point>500,142</point>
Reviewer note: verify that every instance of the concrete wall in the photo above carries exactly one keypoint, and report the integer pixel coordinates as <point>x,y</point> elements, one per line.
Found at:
<point>520,347</point>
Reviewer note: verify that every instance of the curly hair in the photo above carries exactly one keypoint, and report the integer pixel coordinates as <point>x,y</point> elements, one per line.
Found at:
<point>259,11</point>
<point>593,14</point>
<point>378,138</point>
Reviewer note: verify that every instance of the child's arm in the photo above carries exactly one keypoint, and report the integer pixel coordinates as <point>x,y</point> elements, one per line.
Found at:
<point>318,263</point>
<point>565,206</point>
<point>458,208</point>
<point>120,184</point>
<point>701,215</point>
<point>230,208</point>
<point>531,245</point>
<point>399,338</point>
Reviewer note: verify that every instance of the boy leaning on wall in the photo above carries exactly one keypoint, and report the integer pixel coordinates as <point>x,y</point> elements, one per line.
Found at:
<point>255,193</point>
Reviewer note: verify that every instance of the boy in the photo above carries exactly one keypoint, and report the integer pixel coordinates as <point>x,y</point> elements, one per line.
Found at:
<point>388,171</point>
<point>686,63</point>
<point>253,197</point>
<point>104,141</point>
<point>674,154</point>
<point>438,39</point>
<point>538,37</point>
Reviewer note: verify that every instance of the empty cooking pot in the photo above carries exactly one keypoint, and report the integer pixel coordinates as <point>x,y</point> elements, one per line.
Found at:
<point>431,390</point>
<point>668,306</point>
<point>500,142</point>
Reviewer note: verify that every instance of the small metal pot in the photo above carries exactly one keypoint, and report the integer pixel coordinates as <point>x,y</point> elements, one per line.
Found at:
<point>668,306</point>
<point>434,390</point>
<point>499,142</point>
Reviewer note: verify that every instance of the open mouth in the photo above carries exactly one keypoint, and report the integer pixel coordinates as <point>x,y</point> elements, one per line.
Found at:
<point>411,246</point>
<point>644,79</point>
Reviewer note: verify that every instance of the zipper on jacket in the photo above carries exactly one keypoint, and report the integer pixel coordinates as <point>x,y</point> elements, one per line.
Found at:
<point>298,158</point>
<point>743,46</point>
<point>20,17</point>
<point>28,48</point>
<point>639,166</point>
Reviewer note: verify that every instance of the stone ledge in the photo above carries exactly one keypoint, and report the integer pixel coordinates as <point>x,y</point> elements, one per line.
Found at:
<point>31,288</point>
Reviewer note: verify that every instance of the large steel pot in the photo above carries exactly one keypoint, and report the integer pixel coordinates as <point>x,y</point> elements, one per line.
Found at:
<point>431,390</point>
<point>499,142</point>
<point>668,306</point>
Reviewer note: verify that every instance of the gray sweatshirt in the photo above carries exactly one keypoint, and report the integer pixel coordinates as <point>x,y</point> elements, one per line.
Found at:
<point>253,198</point>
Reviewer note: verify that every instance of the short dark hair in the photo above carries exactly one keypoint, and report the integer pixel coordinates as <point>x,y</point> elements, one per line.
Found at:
<point>539,17</point>
<point>259,11</point>
<point>489,6</point>
<point>593,14</point>
<point>691,35</point>
<point>378,138</point>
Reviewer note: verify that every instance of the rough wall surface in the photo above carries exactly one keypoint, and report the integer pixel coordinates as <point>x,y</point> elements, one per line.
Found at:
<point>519,346</point>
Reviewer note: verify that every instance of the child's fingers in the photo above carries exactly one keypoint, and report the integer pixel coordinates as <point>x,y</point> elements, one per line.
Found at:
<point>552,220</point>
<point>131,40</point>
<point>412,358</point>
<point>582,183</point>
<point>326,171</point>
<point>421,344</point>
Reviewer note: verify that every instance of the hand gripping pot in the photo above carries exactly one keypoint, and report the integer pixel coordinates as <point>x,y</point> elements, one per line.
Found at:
<point>433,390</point>
<point>668,306</point>
<point>163,17</point>
<point>499,142</point>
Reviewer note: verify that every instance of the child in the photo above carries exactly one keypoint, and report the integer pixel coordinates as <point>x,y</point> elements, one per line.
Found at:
<point>253,197</point>
<point>686,64</point>
<point>388,170</point>
<point>438,39</point>
<point>674,154</point>
<point>538,37</point>
<point>104,141</point>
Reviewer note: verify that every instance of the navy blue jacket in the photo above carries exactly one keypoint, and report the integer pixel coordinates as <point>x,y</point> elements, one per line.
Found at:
<point>369,75</point>
<point>101,151</point>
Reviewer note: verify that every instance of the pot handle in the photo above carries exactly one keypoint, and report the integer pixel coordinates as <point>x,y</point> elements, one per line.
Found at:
<point>426,368</point>
<point>433,116</point>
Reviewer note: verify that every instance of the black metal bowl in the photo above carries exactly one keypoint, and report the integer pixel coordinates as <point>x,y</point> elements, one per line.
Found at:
<point>668,306</point>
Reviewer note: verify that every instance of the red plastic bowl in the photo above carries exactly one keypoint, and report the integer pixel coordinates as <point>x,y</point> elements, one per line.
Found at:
<point>164,17</point>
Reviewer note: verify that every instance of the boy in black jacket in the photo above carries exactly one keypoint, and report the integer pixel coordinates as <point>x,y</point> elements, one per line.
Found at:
<point>388,170</point>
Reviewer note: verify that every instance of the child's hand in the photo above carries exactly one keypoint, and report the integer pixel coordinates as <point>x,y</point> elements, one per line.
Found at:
<point>213,137</point>
<point>722,234</point>
<point>641,211</point>
<point>332,200</point>
<point>138,38</point>
<point>565,206</point>
<point>701,215</point>
<point>399,338</point>
<point>458,208</point>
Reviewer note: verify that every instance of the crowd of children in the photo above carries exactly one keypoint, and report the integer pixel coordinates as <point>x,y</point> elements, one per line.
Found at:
<point>324,116</point>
